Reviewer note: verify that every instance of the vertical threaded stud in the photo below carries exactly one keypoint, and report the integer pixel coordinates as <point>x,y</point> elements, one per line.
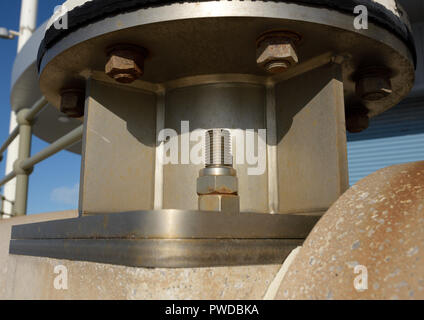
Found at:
<point>218,148</point>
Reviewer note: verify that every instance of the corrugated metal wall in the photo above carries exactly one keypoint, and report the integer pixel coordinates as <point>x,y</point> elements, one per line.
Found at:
<point>396,136</point>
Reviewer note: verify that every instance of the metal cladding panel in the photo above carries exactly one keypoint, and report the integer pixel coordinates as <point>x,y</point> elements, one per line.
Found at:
<point>394,137</point>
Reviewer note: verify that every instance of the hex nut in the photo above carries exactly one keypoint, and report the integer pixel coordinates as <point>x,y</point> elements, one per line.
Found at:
<point>125,63</point>
<point>276,55</point>
<point>220,203</point>
<point>373,89</point>
<point>357,119</point>
<point>373,83</point>
<point>357,123</point>
<point>207,185</point>
<point>72,102</point>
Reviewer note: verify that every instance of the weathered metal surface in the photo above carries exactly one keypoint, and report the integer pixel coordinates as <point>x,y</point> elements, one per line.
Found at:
<point>125,62</point>
<point>378,224</point>
<point>119,146</point>
<point>373,83</point>
<point>168,238</point>
<point>387,13</point>
<point>276,51</point>
<point>226,203</point>
<point>227,103</point>
<point>161,253</point>
<point>72,102</point>
<point>311,141</point>
<point>302,129</point>
<point>217,184</point>
<point>82,52</point>
<point>357,119</point>
<point>172,224</point>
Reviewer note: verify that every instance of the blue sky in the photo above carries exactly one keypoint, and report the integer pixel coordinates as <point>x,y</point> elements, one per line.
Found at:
<point>54,182</point>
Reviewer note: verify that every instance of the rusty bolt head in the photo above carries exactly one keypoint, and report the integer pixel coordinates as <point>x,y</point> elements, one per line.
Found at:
<point>220,203</point>
<point>357,119</point>
<point>125,63</point>
<point>276,51</point>
<point>217,185</point>
<point>373,84</point>
<point>72,102</point>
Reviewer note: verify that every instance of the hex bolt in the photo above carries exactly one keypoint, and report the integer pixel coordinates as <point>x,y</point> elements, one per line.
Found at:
<point>357,119</point>
<point>217,185</point>
<point>276,51</point>
<point>373,83</point>
<point>73,102</point>
<point>125,62</point>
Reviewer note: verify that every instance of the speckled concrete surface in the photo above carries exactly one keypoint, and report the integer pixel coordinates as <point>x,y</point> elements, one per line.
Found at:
<point>23,277</point>
<point>34,279</point>
<point>8,265</point>
<point>379,224</point>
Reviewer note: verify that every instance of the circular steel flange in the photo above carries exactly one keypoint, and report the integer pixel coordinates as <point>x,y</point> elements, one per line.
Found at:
<point>166,238</point>
<point>83,12</point>
<point>191,39</point>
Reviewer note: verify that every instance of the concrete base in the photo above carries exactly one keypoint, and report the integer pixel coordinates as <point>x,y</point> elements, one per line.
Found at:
<point>23,277</point>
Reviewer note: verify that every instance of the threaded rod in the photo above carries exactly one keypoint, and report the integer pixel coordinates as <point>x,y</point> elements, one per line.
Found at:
<point>218,148</point>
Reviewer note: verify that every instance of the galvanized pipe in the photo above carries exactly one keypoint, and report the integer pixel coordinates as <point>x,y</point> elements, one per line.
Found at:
<point>22,176</point>
<point>31,114</point>
<point>36,108</point>
<point>64,142</point>
<point>9,140</point>
<point>7,178</point>
<point>25,164</point>
<point>55,147</point>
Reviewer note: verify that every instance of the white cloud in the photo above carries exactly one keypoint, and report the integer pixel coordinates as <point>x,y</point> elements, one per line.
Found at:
<point>65,195</point>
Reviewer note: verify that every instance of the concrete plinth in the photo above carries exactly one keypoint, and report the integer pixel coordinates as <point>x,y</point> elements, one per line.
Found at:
<point>24,277</point>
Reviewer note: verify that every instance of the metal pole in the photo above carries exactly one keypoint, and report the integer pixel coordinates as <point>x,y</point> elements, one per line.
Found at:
<point>22,176</point>
<point>59,145</point>
<point>27,25</point>
<point>28,21</point>
<point>9,140</point>
<point>36,108</point>
<point>7,178</point>
<point>2,207</point>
